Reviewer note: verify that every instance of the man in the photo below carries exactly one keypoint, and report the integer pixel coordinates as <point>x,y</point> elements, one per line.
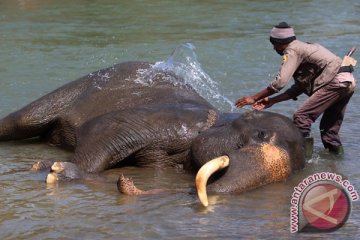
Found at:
<point>318,73</point>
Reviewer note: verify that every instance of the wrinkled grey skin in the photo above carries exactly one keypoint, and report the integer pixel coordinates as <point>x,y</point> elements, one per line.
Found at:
<point>122,116</point>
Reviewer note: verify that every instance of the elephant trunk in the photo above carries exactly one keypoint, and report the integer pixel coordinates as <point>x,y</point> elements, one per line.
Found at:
<point>205,172</point>
<point>251,167</point>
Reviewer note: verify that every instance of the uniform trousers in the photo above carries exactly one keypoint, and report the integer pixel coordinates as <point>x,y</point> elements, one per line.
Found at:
<point>331,101</point>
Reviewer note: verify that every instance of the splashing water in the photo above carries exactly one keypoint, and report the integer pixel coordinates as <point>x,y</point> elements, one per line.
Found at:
<point>183,62</point>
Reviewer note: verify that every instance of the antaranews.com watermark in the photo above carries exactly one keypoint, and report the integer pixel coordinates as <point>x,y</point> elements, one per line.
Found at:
<point>321,203</point>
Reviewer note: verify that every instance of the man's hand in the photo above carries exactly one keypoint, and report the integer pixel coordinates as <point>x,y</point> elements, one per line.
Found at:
<point>248,100</point>
<point>263,103</point>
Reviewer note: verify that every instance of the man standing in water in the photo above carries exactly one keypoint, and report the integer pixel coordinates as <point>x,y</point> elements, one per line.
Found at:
<point>317,72</point>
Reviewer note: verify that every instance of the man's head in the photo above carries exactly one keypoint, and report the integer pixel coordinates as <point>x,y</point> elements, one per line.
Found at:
<point>280,36</point>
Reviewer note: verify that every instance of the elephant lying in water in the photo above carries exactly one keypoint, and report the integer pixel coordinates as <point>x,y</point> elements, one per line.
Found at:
<point>136,114</point>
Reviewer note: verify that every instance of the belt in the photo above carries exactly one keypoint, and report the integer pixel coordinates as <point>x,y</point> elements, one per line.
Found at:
<point>349,69</point>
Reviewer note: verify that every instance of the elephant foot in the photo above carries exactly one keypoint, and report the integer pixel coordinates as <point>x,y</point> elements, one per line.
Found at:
<point>126,186</point>
<point>41,165</point>
<point>63,171</point>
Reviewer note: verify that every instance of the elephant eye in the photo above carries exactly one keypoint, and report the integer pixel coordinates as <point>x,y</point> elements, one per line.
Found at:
<point>262,135</point>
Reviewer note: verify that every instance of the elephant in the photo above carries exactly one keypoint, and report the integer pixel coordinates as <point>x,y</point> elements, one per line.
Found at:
<point>138,114</point>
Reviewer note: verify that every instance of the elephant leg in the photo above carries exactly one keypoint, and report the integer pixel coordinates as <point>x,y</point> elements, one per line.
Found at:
<point>62,171</point>
<point>90,158</point>
<point>103,143</point>
<point>136,137</point>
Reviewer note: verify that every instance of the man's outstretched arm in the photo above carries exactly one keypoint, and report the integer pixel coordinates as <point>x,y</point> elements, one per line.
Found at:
<point>250,100</point>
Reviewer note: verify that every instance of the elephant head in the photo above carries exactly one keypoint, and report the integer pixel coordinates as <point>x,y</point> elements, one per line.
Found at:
<point>255,149</point>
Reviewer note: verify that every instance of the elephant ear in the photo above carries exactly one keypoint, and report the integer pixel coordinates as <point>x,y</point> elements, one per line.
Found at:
<point>253,166</point>
<point>105,141</point>
<point>155,134</point>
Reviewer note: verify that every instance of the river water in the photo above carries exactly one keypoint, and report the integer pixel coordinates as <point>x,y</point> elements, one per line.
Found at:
<point>47,43</point>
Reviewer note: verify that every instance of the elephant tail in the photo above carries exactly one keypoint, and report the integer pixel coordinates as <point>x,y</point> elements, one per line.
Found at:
<point>37,117</point>
<point>17,126</point>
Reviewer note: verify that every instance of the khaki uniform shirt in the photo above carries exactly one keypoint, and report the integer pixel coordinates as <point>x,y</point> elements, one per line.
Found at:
<point>311,65</point>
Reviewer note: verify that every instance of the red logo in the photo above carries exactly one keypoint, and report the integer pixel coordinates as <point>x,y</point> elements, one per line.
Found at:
<point>325,207</point>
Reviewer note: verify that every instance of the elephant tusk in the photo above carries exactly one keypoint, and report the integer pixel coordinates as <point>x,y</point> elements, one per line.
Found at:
<point>205,172</point>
